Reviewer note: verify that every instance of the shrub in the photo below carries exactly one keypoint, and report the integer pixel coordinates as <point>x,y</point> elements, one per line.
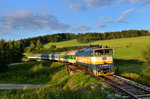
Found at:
<point>39,69</point>
<point>137,78</point>
<point>146,54</point>
<point>146,71</point>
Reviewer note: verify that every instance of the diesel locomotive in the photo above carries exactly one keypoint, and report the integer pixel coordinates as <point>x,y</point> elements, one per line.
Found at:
<point>98,58</point>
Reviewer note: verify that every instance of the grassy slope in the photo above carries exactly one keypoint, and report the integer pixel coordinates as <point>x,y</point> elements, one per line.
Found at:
<point>126,48</point>
<point>128,55</point>
<point>61,83</point>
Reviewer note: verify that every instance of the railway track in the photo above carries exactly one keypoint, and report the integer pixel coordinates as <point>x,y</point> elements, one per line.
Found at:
<point>127,88</point>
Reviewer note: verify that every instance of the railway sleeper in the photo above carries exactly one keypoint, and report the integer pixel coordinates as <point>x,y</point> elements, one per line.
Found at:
<point>144,96</point>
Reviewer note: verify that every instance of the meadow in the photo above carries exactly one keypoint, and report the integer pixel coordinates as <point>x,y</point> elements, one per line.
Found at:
<point>128,59</point>
<point>128,55</point>
<point>60,84</point>
<point>125,48</point>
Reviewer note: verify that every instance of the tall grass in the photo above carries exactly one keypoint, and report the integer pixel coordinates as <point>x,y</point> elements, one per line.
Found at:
<point>61,85</point>
<point>34,73</point>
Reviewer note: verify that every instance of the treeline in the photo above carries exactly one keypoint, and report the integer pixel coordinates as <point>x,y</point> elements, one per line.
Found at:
<point>49,38</point>
<point>85,37</point>
<point>10,52</point>
<point>111,35</point>
<point>36,44</point>
<point>53,49</point>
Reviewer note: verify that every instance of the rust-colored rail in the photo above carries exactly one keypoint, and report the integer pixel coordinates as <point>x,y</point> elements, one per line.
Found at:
<point>126,87</point>
<point>133,90</point>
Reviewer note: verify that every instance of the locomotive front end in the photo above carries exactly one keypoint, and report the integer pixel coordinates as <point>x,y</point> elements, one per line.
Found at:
<point>103,61</point>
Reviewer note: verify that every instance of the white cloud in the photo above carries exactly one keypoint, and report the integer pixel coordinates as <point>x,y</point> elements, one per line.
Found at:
<point>121,18</point>
<point>76,4</point>
<point>141,2</point>
<point>81,28</point>
<point>124,15</point>
<point>100,26</point>
<point>99,3</point>
<point>3,33</point>
<point>141,10</point>
<point>107,21</point>
<point>86,4</point>
<point>28,20</point>
<point>84,28</point>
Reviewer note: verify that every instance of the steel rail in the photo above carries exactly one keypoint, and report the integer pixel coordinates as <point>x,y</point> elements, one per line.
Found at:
<point>114,83</point>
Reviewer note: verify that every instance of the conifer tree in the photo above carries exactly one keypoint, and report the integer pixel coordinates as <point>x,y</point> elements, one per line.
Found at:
<point>39,45</point>
<point>31,48</point>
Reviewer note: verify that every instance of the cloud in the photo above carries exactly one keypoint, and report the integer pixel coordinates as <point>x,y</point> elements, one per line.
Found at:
<point>81,28</point>
<point>121,18</point>
<point>86,4</point>
<point>141,10</point>
<point>141,2</point>
<point>99,3</point>
<point>100,26</point>
<point>3,33</point>
<point>107,21</point>
<point>84,28</point>
<point>124,15</point>
<point>28,20</point>
<point>105,18</point>
<point>77,5</point>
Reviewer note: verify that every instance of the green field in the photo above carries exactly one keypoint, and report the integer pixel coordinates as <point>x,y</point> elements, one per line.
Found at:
<point>125,48</point>
<point>128,60</point>
<point>60,84</point>
<point>128,57</point>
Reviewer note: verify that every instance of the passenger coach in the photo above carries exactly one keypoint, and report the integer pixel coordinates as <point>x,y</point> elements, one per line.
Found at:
<point>98,58</point>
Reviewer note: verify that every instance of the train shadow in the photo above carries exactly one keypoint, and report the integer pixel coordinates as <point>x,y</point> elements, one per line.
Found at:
<point>126,61</point>
<point>130,66</point>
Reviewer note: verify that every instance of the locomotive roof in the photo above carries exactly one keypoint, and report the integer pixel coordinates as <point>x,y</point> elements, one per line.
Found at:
<point>97,47</point>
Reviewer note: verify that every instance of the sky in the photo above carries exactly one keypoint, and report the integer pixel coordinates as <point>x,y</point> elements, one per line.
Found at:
<point>29,18</point>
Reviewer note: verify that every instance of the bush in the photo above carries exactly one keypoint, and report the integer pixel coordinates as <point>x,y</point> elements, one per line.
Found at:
<point>39,69</point>
<point>146,54</point>
<point>146,71</point>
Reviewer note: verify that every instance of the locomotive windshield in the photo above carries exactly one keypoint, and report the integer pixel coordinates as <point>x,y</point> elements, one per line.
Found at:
<point>103,52</point>
<point>108,52</point>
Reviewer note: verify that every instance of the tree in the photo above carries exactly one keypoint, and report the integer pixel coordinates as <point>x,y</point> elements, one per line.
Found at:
<point>31,48</point>
<point>4,56</point>
<point>146,54</point>
<point>52,47</point>
<point>39,45</point>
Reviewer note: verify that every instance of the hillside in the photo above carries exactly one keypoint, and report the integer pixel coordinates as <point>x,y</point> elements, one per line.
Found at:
<point>60,84</point>
<point>125,48</point>
<point>128,57</point>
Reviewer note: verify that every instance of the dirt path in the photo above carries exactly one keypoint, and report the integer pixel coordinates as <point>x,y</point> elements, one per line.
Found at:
<point>19,86</point>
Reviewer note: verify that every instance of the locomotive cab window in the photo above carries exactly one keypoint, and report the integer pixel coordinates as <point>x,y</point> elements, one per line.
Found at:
<point>108,52</point>
<point>98,52</point>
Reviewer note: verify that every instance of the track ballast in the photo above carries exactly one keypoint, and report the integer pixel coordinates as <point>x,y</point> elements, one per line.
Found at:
<point>125,87</point>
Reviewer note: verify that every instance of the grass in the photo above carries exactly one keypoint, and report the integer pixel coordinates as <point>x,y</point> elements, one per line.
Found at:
<point>128,60</point>
<point>60,83</point>
<point>22,73</point>
<point>127,55</point>
<point>125,48</point>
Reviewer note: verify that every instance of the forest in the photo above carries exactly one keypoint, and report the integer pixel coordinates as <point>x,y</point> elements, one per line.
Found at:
<point>85,37</point>
<point>12,51</point>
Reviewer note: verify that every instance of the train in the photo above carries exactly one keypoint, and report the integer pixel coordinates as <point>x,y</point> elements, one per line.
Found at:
<point>98,58</point>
